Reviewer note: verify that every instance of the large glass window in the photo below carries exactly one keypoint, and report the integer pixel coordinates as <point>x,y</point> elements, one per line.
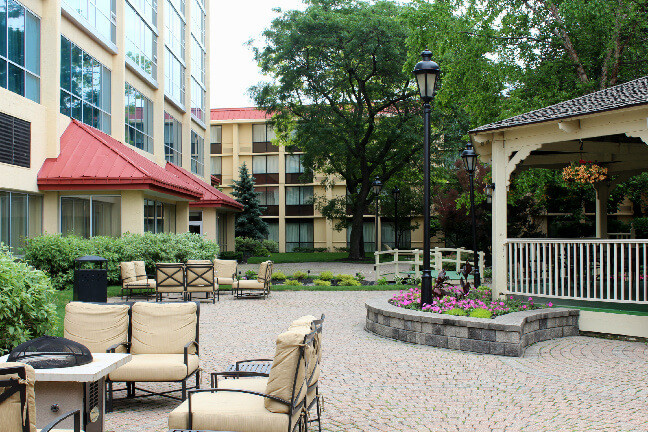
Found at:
<point>216,139</point>
<point>198,21</point>
<point>265,169</point>
<point>147,9</point>
<point>174,30</point>
<point>268,196</point>
<point>159,217</point>
<point>139,119</point>
<point>89,216</point>
<point>299,235</point>
<point>368,235</point>
<point>262,133</point>
<point>197,100</point>
<point>197,61</point>
<point>99,14</point>
<point>197,154</point>
<point>294,164</point>
<point>296,195</point>
<point>174,78</point>
<point>216,165</point>
<point>85,87</point>
<point>19,50</point>
<point>388,234</point>
<point>273,229</point>
<point>21,216</point>
<point>141,43</point>
<point>172,140</point>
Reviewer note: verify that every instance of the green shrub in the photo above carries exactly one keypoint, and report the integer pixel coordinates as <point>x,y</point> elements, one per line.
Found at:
<point>278,276</point>
<point>640,226</point>
<point>55,254</point>
<point>456,312</point>
<point>292,282</point>
<point>326,275</point>
<point>271,245</point>
<point>251,274</point>
<point>27,307</point>
<point>231,255</point>
<point>347,280</point>
<point>300,275</point>
<point>481,313</point>
<point>360,277</point>
<point>253,247</point>
<point>381,281</point>
<point>321,282</point>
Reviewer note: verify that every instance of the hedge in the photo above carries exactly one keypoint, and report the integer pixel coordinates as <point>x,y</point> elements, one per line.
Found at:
<point>55,254</point>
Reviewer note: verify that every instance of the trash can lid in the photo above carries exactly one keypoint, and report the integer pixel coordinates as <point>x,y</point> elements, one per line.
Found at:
<point>91,258</point>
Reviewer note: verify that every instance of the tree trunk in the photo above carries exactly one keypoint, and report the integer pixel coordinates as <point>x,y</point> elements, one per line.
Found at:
<point>356,242</point>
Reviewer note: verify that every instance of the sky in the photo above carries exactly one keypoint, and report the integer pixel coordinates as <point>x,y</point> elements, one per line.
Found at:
<point>233,69</point>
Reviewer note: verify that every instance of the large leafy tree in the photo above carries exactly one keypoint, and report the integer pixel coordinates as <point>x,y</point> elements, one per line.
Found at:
<point>341,94</point>
<point>248,222</point>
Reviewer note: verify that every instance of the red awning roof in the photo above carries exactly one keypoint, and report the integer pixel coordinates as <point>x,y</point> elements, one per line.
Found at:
<point>251,113</point>
<point>211,197</point>
<point>92,160</point>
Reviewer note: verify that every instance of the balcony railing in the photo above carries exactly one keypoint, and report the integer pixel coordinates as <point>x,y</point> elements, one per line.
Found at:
<point>582,269</point>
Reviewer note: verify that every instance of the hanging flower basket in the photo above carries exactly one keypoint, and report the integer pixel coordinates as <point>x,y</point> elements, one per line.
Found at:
<point>584,172</point>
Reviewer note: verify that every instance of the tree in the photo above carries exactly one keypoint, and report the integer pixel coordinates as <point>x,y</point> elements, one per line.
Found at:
<point>342,95</point>
<point>248,222</point>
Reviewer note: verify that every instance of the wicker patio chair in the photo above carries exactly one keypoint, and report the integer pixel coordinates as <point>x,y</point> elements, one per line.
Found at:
<point>169,278</point>
<point>200,278</point>
<point>255,288</point>
<point>225,272</point>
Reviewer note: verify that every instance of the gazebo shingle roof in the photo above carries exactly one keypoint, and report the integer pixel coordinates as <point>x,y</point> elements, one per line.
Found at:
<point>621,96</point>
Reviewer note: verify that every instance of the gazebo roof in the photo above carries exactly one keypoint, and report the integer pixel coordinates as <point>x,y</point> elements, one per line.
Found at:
<point>624,95</point>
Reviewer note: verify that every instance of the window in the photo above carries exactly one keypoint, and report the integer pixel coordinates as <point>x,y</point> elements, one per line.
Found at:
<point>262,136</point>
<point>174,54</point>
<point>216,165</point>
<point>295,170</point>
<point>174,77</point>
<point>368,235</point>
<point>15,141</point>
<point>179,5</point>
<point>99,14</point>
<point>197,154</point>
<point>299,201</point>
<point>21,216</point>
<point>197,100</point>
<point>159,217</point>
<point>139,120</point>
<point>265,169</point>
<point>147,9</point>
<point>216,139</point>
<point>141,43</point>
<point>19,50</point>
<point>198,21</point>
<point>269,198</point>
<point>172,140</point>
<point>85,87</point>
<point>197,61</point>
<point>89,216</point>
<point>387,234</point>
<point>299,235</point>
<point>273,230</point>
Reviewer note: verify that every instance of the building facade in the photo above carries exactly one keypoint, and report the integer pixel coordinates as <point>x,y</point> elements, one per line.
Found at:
<point>243,135</point>
<point>101,101</point>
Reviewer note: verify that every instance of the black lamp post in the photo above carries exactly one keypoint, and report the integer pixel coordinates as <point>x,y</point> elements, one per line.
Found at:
<point>470,162</point>
<point>376,186</point>
<point>396,194</point>
<point>426,72</point>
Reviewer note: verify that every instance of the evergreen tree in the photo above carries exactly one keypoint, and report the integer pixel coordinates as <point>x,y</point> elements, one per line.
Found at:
<point>248,222</point>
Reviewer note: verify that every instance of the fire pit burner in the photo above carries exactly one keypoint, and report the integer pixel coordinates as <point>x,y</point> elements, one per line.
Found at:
<point>47,352</point>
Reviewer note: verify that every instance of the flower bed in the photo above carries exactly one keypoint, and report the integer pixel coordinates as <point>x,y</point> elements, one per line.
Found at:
<point>478,303</point>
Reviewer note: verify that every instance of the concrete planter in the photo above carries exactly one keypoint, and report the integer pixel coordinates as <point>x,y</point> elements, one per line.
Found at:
<point>506,335</point>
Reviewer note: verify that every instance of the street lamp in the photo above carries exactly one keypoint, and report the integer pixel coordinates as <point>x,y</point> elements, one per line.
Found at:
<point>488,190</point>
<point>396,194</point>
<point>376,186</point>
<point>470,162</point>
<point>426,72</point>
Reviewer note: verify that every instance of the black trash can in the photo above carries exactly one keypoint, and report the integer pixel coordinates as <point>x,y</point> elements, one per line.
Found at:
<point>91,279</point>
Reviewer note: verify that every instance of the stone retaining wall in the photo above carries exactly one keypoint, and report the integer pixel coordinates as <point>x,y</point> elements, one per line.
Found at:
<point>505,335</point>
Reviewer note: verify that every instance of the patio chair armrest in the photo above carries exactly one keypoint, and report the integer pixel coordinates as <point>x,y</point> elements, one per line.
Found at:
<point>186,350</point>
<point>77,421</point>
<point>238,363</point>
<point>234,374</point>
<point>112,348</point>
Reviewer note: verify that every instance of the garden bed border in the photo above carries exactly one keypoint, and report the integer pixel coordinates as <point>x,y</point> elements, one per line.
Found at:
<point>506,335</point>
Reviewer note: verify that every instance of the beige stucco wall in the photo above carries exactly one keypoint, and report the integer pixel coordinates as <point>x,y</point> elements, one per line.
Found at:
<point>613,323</point>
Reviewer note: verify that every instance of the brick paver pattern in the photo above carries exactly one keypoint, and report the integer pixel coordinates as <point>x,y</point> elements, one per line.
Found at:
<point>375,384</point>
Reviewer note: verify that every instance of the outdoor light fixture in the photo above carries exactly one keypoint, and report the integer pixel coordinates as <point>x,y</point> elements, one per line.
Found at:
<point>427,74</point>
<point>376,186</point>
<point>396,195</point>
<point>470,162</point>
<point>488,190</point>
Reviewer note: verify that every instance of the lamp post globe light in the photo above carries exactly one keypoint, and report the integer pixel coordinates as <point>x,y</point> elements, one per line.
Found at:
<point>469,157</point>
<point>396,194</point>
<point>376,186</point>
<point>426,72</point>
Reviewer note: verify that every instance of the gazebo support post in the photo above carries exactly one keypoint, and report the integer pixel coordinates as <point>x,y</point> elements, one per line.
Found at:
<point>500,178</point>
<point>602,196</point>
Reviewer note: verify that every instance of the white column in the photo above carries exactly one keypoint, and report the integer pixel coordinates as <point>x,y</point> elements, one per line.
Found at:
<point>499,230</point>
<point>602,196</point>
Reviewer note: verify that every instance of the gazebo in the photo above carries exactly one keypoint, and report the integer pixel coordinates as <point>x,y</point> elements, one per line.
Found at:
<point>611,127</point>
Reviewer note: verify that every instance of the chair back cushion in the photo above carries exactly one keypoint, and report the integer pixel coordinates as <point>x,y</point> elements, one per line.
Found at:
<point>225,268</point>
<point>140,270</point>
<point>265,271</point>
<point>96,326</point>
<point>304,323</point>
<point>128,271</point>
<point>169,275</point>
<point>200,273</point>
<point>163,328</point>
<point>285,364</point>
<point>11,415</point>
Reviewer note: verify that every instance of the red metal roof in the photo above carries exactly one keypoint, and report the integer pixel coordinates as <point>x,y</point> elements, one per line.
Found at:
<point>211,197</point>
<point>250,113</point>
<point>91,160</point>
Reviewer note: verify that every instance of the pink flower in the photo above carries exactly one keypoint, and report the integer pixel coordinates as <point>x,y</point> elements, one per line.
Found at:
<point>549,304</point>
<point>524,307</point>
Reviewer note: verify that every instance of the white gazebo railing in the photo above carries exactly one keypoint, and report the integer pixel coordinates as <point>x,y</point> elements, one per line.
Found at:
<point>403,263</point>
<point>581,269</point>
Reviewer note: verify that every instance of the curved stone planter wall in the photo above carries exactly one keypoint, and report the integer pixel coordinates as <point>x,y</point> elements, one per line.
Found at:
<point>505,335</point>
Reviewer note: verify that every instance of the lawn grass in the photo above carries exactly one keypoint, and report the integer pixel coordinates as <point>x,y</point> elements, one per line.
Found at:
<point>301,257</point>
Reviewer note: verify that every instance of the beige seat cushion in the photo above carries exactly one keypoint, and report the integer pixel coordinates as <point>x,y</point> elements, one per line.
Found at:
<point>239,412</point>
<point>199,262</point>
<point>155,367</point>
<point>96,326</point>
<point>145,283</point>
<point>140,270</point>
<point>128,272</point>
<point>162,328</point>
<point>281,379</point>
<point>10,412</point>
<point>249,284</point>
